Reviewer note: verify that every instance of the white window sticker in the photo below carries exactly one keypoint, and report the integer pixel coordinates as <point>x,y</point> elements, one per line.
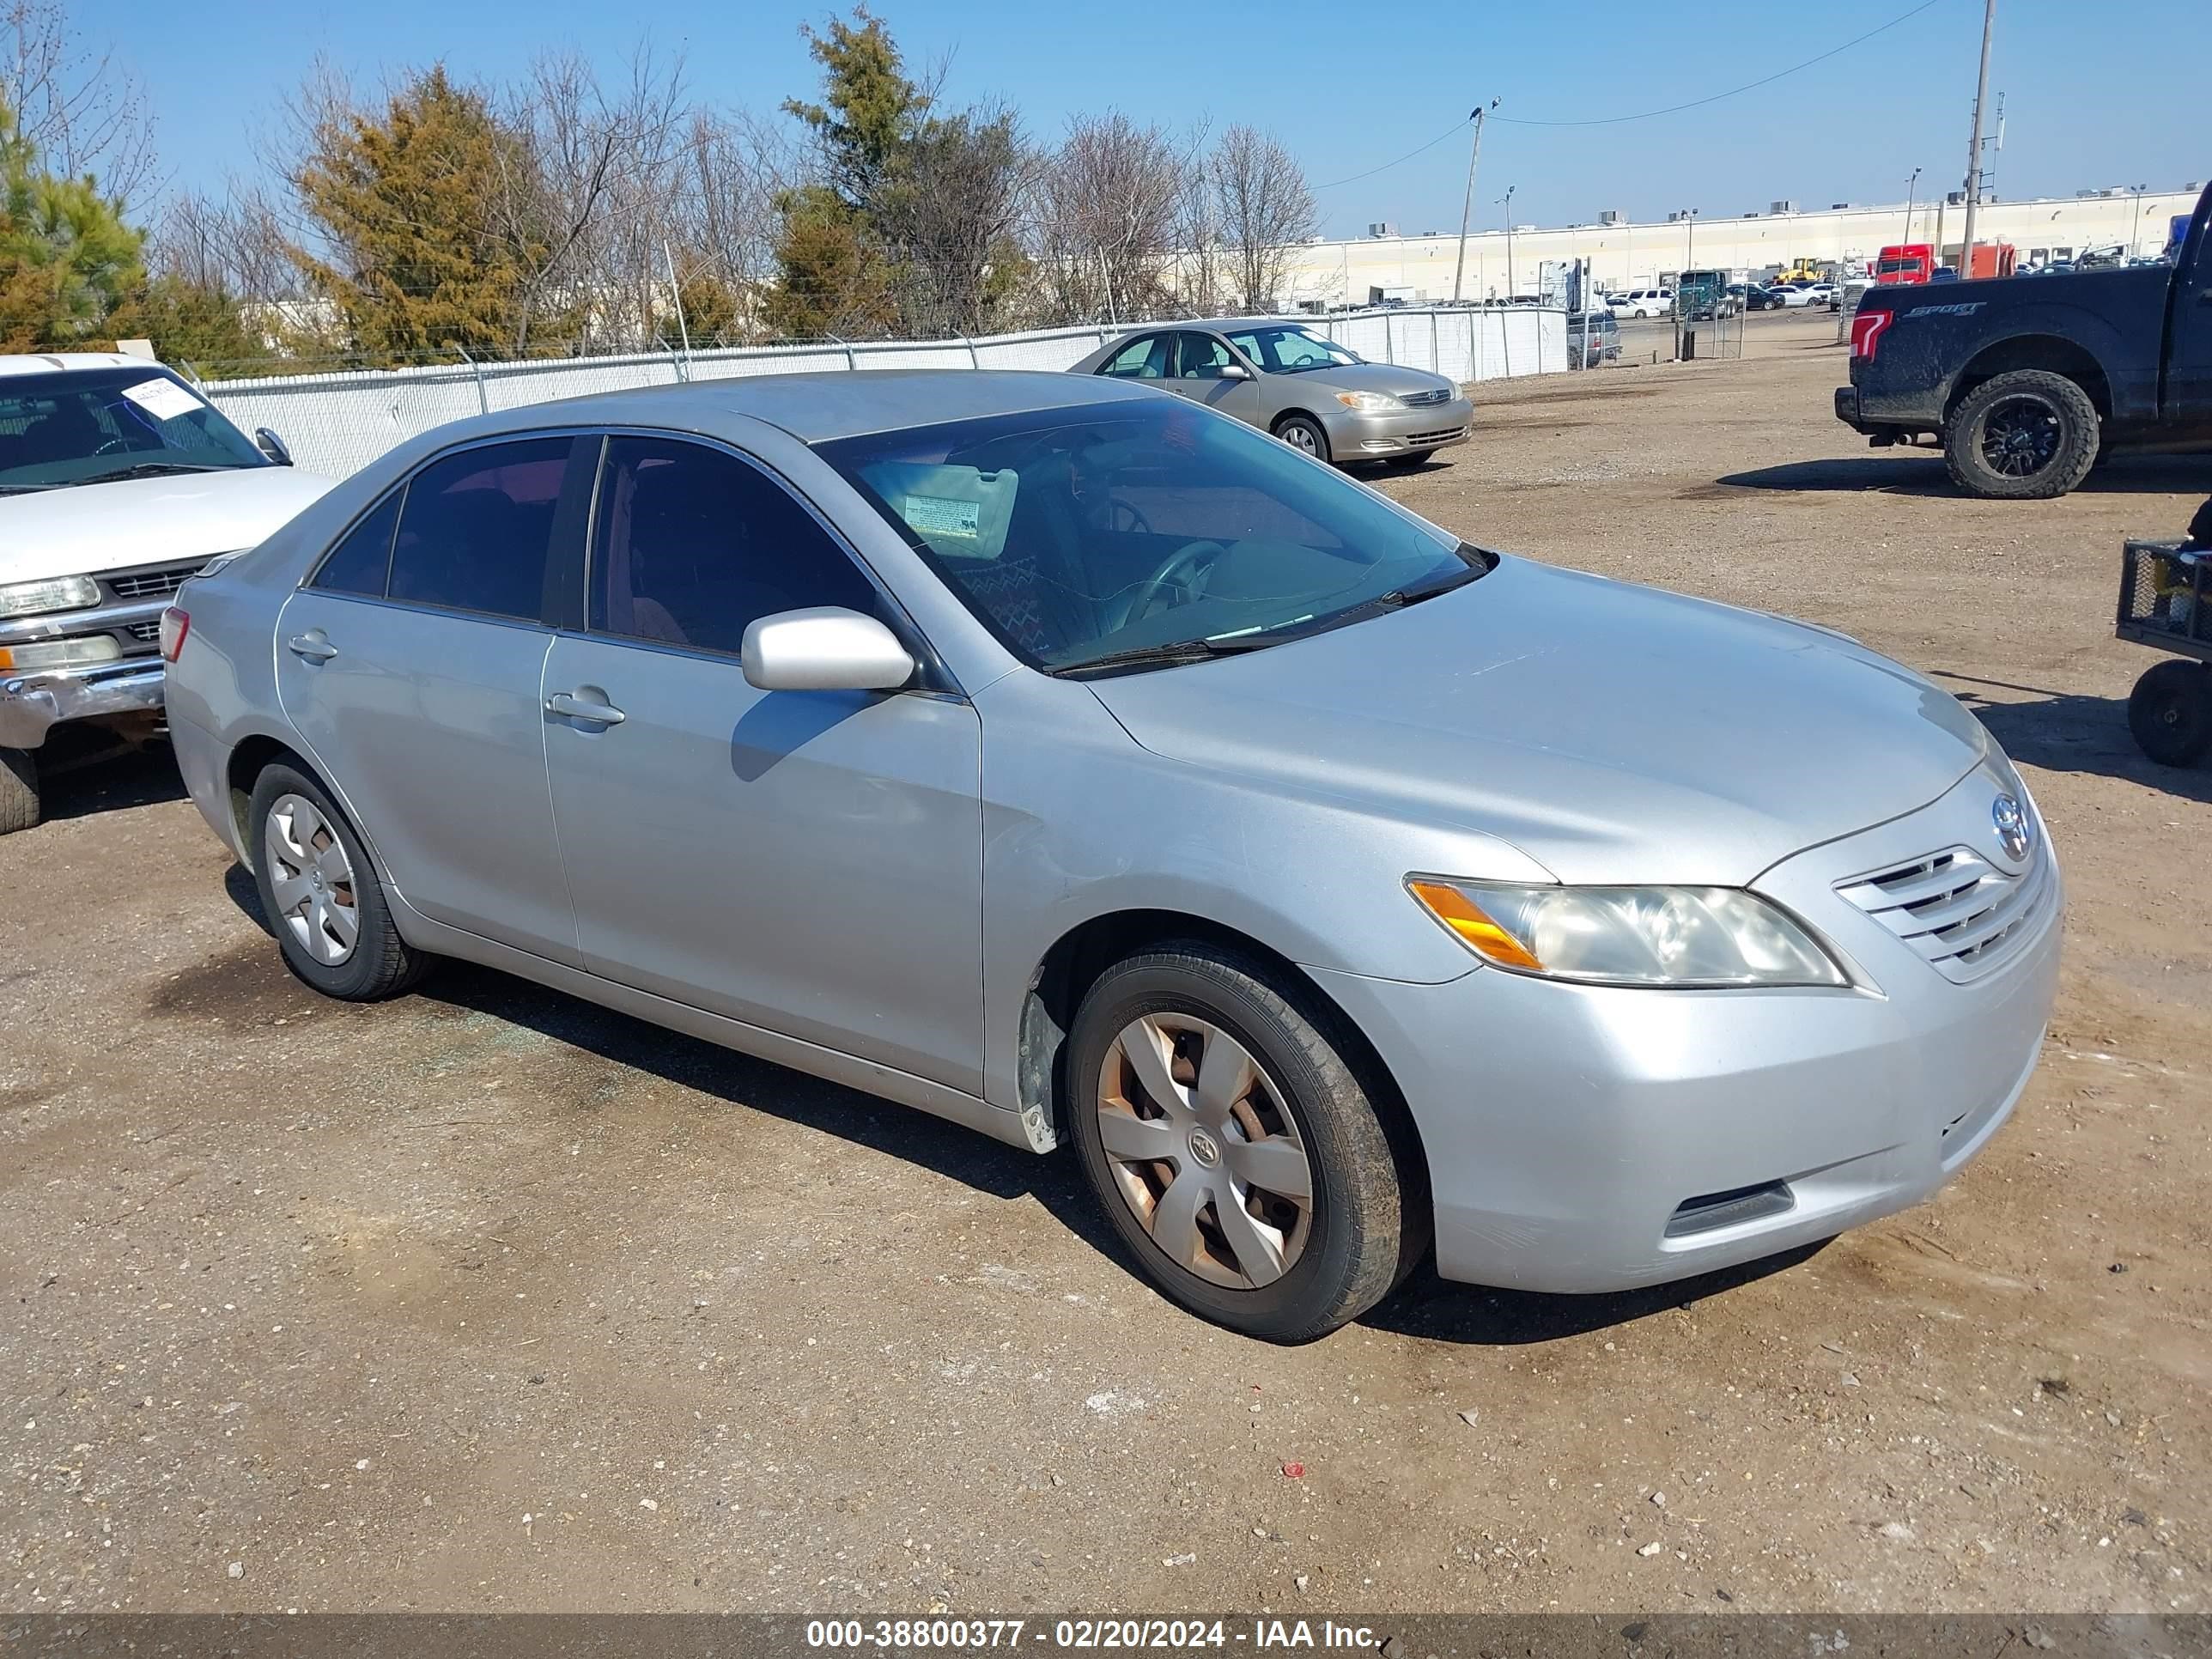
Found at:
<point>163,400</point>
<point>938,515</point>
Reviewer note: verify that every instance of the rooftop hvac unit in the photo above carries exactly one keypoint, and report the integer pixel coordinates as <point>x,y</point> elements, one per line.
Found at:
<point>1777,207</point>
<point>1954,198</point>
<point>1838,207</point>
<point>1612,216</point>
<point>1382,228</point>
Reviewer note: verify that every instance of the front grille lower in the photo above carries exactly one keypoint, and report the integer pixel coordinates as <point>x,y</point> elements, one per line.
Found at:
<point>1957,910</point>
<point>150,584</point>
<point>147,632</point>
<point>1424,399</point>
<point>1444,437</point>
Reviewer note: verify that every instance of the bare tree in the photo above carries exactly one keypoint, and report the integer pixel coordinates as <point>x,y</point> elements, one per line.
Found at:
<point>1108,202</point>
<point>83,110</point>
<point>1266,209</point>
<point>950,212</point>
<point>729,171</point>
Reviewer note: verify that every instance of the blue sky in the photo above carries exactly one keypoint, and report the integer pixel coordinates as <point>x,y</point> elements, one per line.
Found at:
<point>2095,93</point>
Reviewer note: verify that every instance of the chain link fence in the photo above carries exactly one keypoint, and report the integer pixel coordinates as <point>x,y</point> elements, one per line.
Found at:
<point>337,421</point>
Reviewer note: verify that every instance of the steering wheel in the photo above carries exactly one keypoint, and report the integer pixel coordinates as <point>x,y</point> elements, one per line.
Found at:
<point>1180,569</point>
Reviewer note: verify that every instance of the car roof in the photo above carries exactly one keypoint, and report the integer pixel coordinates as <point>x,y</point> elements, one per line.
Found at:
<point>51,362</point>
<point>833,403</point>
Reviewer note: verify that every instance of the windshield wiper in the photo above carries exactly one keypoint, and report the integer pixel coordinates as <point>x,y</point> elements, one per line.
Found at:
<point>145,469</point>
<point>1175,652</point>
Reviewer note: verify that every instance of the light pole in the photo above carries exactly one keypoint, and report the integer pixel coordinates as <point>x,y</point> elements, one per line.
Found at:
<point>1466,207</point>
<point>1908,185</point>
<point>1690,252</point>
<point>1506,202</point>
<point>2135,225</point>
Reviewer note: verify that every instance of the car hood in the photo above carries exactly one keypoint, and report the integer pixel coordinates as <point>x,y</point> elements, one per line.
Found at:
<point>1374,377</point>
<point>134,521</point>
<point>1612,733</point>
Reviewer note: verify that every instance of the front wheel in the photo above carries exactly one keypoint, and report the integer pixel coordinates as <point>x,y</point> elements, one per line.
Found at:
<point>1234,1148</point>
<point>19,790</point>
<point>2170,713</point>
<point>2027,435</point>
<point>1303,433</point>
<point>322,895</point>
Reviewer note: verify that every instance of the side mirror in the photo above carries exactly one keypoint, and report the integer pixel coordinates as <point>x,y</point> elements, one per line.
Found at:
<point>272,445</point>
<point>1235,372</point>
<point>827,648</point>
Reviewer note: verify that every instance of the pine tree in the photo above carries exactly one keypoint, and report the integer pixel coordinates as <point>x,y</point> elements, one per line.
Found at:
<point>67,259</point>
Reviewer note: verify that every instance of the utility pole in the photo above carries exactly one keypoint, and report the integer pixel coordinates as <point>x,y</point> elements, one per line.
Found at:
<point>1974,145</point>
<point>1690,252</point>
<point>1466,208</point>
<point>1506,202</point>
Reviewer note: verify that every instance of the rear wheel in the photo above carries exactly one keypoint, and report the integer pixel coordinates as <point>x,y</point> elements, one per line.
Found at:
<point>1303,432</point>
<point>2027,435</point>
<point>19,790</point>
<point>321,894</point>
<point>2170,713</point>
<point>1235,1149</point>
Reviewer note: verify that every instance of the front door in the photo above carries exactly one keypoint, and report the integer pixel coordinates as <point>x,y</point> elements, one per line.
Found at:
<point>409,665</point>
<point>1202,365</point>
<point>806,861</point>
<point>2188,401</point>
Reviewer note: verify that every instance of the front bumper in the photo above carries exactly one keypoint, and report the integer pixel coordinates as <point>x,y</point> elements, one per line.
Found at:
<point>1582,1138</point>
<point>1353,436</point>
<point>32,704</point>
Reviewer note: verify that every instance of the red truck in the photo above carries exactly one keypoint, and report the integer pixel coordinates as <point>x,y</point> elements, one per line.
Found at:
<point>1915,262</point>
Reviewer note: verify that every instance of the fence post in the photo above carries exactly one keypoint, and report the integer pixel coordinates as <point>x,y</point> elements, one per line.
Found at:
<point>852,363</point>
<point>973,360</point>
<point>483,401</point>
<point>1436,345</point>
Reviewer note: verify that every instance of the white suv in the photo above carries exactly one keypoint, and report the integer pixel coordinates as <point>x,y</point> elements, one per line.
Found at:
<point>1642,302</point>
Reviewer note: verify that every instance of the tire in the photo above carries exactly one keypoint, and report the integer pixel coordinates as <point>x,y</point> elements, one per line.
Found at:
<point>1303,433</point>
<point>2046,444</point>
<point>19,790</point>
<point>1300,1271</point>
<point>2170,713</point>
<point>377,963</point>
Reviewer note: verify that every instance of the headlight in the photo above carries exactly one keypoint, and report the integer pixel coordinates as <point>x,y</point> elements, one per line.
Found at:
<point>1688,936</point>
<point>1368,402</point>
<point>56,594</point>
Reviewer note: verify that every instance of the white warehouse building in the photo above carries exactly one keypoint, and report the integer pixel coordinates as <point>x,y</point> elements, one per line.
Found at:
<point>1625,255</point>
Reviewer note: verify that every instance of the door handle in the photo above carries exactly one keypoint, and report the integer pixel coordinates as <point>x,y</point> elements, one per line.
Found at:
<point>575,708</point>
<point>311,646</point>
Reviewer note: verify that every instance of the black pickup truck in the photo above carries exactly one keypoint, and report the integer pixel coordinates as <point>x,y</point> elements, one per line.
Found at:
<point>2028,381</point>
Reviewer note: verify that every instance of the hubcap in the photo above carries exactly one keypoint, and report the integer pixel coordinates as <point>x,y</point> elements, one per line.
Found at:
<point>1204,1152</point>
<point>2019,437</point>
<point>1299,438</point>
<point>312,880</point>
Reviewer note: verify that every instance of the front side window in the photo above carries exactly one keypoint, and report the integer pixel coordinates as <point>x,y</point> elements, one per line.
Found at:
<point>1081,534</point>
<point>476,528</point>
<point>100,425</point>
<point>1289,350</point>
<point>690,544</point>
<point>1145,359</point>
<point>1201,358</point>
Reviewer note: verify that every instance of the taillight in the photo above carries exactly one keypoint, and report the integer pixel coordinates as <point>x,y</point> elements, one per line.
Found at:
<point>1866,328</point>
<point>175,624</point>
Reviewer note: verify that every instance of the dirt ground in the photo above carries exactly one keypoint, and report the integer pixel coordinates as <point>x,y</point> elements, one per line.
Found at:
<point>487,1299</point>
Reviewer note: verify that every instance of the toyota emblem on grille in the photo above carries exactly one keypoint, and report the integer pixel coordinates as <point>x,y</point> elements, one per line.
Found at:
<point>2014,833</point>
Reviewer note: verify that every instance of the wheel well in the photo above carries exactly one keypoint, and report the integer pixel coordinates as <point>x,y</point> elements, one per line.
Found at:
<point>2045,351</point>
<point>1301,414</point>
<point>252,757</point>
<point>1074,964</point>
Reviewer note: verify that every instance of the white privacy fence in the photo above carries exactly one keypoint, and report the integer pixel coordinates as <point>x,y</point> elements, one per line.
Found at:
<point>334,423</point>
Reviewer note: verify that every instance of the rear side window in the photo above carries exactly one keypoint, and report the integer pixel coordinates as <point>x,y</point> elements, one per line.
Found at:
<point>362,558</point>
<point>476,528</point>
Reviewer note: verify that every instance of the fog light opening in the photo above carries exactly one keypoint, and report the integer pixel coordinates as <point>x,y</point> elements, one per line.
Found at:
<point>1711,1212</point>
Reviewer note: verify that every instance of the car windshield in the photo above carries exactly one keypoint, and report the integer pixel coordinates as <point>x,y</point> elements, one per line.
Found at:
<point>1116,536</point>
<point>90,426</point>
<point>1286,350</point>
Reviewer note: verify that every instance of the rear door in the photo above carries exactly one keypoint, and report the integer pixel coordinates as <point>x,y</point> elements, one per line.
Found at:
<point>807,862</point>
<point>2188,401</point>
<point>409,665</point>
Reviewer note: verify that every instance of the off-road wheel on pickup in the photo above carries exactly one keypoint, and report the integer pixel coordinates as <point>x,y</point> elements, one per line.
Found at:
<point>2170,713</point>
<point>19,790</point>
<point>2022,436</point>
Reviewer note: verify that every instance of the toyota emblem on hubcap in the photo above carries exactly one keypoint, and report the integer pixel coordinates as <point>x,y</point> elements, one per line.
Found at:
<point>2013,834</point>
<point>1203,1150</point>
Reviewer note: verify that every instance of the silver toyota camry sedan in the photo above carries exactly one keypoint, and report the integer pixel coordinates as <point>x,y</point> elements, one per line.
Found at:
<point>1085,767</point>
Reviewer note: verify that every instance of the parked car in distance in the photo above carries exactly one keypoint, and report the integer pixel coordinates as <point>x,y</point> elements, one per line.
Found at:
<point>1752,297</point>
<point>1593,338</point>
<point>1077,764</point>
<point>117,482</point>
<point>1314,394</point>
<point>1795,296</point>
<point>2026,385</point>
<point>1642,302</point>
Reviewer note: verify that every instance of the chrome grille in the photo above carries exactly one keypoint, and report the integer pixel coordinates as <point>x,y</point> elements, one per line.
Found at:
<point>150,584</point>
<point>1422,399</point>
<point>1416,439</point>
<point>1956,909</point>
<point>148,632</point>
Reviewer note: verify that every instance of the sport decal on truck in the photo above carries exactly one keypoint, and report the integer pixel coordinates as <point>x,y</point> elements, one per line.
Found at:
<point>1961,308</point>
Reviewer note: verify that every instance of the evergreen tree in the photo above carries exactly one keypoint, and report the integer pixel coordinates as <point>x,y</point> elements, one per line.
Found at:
<point>66,258</point>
